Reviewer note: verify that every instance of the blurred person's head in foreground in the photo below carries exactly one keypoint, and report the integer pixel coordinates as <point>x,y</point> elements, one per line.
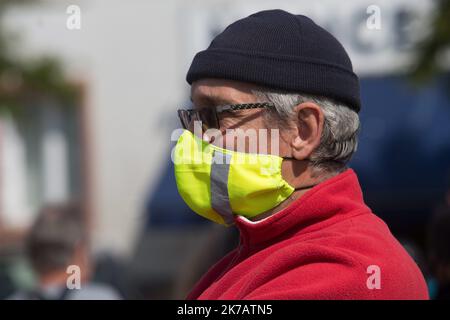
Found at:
<point>57,249</point>
<point>57,240</point>
<point>265,147</point>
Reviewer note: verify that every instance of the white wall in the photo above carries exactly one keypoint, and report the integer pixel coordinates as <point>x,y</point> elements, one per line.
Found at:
<point>128,57</point>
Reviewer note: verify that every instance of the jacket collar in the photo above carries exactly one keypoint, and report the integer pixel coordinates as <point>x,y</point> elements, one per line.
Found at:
<point>334,199</point>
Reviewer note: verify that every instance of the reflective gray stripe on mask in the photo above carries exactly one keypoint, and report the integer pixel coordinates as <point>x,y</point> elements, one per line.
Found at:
<point>220,202</point>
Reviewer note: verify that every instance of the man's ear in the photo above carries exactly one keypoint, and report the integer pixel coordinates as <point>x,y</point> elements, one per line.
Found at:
<point>309,120</point>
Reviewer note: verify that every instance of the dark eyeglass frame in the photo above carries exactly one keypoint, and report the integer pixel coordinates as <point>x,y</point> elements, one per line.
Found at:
<point>209,116</point>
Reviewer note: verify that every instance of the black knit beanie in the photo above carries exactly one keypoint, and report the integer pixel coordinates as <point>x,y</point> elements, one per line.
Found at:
<point>279,50</point>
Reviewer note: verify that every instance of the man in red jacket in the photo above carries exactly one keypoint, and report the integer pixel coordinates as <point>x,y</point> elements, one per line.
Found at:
<point>306,232</point>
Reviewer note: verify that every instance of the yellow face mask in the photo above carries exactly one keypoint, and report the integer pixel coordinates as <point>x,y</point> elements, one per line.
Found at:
<point>218,183</point>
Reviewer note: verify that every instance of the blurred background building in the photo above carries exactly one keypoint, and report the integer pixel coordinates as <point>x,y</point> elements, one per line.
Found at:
<point>87,113</point>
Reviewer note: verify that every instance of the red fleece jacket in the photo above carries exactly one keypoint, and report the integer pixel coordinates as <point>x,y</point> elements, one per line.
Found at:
<point>320,247</point>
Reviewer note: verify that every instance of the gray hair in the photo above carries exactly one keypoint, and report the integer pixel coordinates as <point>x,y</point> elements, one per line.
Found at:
<point>55,235</point>
<point>340,131</point>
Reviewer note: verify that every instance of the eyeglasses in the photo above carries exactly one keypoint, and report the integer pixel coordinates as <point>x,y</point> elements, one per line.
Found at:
<point>209,116</point>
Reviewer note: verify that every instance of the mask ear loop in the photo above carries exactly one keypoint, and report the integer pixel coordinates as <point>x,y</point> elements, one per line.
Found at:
<point>306,187</point>
<point>292,158</point>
